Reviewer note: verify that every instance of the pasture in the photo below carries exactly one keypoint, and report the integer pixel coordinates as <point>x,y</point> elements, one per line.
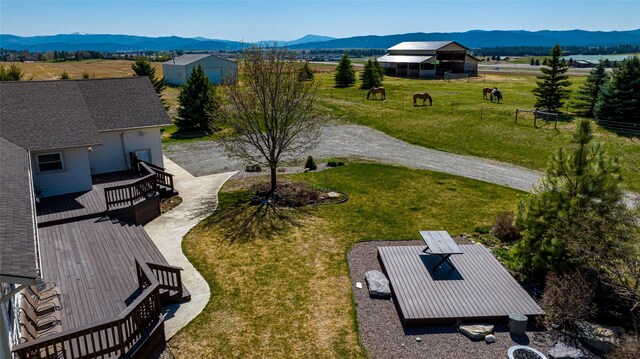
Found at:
<point>460,120</point>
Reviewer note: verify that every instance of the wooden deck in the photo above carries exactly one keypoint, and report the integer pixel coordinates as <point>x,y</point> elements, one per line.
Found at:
<point>476,288</point>
<point>92,262</point>
<point>81,205</point>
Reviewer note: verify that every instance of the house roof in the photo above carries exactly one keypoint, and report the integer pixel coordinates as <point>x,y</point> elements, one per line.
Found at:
<point>17,223</point>
<point>405,59</point>
<point>422,45</point>
<point>40,115</point>
<point>187,59</point>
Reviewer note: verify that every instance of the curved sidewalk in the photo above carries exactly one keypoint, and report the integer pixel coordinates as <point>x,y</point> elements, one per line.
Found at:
<point>199,199</point>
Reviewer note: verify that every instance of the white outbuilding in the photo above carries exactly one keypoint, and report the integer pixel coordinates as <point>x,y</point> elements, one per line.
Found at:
<point>218,70</point>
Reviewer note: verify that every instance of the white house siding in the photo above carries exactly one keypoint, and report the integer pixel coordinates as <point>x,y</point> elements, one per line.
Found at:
<point>217,69</point>
<point>108,157</point>
<point>145,139</point>
<point>75,177</point>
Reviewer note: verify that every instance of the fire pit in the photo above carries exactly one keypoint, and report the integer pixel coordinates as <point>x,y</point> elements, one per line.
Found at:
<point>524,352</point>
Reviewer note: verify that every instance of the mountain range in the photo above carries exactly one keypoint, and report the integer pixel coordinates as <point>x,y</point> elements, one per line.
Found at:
<point>471,39</point>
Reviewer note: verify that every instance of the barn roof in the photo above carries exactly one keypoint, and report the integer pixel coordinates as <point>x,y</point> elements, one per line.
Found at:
<point>422,45</point>
<point>41,115</point>
<point>187,59</point>
<point>18,258</point>
<point>405,59</point>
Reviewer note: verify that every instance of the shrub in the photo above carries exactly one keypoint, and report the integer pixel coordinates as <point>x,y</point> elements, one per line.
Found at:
<point>567,300</point>
<point>335,163</point>
<point>65,75</point>
<point>504,228</point>
<point>310,164</point>
<point>482,229</point>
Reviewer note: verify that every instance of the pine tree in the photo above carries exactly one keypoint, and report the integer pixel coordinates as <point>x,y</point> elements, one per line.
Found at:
<point>537,62</point>
<point>380,69</point>
<point>580,182</point>
<point>589,91</point>
<point>369,76</point>
<point>532,62</point>
<point>198,105</point>
<point>142,67</point>
<point>345,74</point>
<point>551,91</point>
<point>619,98</point>
<point>12,72</point>
<point>305,73</point>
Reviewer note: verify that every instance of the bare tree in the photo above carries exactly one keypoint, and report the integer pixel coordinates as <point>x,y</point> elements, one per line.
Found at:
<point>271,111</point>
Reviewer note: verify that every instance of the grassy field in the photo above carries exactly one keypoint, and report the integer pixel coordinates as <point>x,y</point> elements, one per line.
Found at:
<point>459,121</point>
<point>287,293</point>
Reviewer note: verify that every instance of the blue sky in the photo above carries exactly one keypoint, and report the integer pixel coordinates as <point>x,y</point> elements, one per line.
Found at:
<point>288,20</point>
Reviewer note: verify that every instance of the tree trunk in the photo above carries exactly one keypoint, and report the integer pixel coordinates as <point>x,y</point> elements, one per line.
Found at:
<point>274,183</point>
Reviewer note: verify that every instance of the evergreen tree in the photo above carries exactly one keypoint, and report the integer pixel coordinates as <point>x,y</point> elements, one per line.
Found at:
<point>199,107</point>
<point>532,62</point>
<point>305,73</point>
<point>589,91</point>
<point>580,182</point>
<point>537,62</point>
<point>552,90</point>
<point>370,76</point>
<point>380,69</point>
<point>607,63</point>
<point>619,98</point>
<point>345,74</point>
<point>142,67</point>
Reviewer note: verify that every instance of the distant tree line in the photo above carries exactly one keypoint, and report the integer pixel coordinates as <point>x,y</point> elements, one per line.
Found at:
<point>545,50</point>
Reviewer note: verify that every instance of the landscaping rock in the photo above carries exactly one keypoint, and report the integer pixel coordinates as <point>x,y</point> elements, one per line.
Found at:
<point>418,339</point>
<point>333,195</point>
<point>378,284</point>
<point>600,337</point>
<point>564,351</point>
<point>253,168</point>
<point>490,339</point>
<point>476,331</point>
<point>359,285</point>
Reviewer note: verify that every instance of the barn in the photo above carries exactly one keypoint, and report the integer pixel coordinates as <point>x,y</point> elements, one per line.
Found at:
<point>429,59</point>
<point>219,70</point>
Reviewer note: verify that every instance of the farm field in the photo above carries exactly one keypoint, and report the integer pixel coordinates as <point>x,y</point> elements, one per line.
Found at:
<point>287,293</point>
<point>459,121</point>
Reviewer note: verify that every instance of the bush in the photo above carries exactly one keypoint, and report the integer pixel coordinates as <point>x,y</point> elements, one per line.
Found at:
<point>310,164</point>
<point>567,300</point>
<point>504,228</point>
<point>335,163</point>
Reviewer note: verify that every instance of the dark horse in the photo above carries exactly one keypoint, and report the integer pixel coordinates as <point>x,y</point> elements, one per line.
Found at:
<point>422,96</point>
<point>497,94</point>
<point>375,91</point>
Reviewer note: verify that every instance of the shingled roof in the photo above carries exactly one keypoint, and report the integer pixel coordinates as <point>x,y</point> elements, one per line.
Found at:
<point>17,222</point>
<point>39,115</point>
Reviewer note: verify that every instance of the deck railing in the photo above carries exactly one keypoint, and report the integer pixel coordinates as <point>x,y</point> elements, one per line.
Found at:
<point>147,186</point>
<point>112,338</point>
<point>168,277</point>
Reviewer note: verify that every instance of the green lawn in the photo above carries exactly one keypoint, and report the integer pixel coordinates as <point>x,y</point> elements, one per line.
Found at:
<point>288,293</point>
<point>460,121</point>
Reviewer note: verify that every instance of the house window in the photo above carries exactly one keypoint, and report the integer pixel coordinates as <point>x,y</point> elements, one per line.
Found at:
<point>50,162</point>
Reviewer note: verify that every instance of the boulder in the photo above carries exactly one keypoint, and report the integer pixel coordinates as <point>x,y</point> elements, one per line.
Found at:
<point>600,337</point>
<point>490,339</point>
<point>253,168</point>
<point>476,331</point>
<point>564,351</point>
<point>333,195</point>
<point>378,284</point>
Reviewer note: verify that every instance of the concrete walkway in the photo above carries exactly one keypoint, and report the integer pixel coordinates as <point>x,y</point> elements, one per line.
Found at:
<point>199,199</point>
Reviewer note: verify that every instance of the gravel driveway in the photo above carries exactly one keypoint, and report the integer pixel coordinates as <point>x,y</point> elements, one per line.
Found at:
<point>360,142</point>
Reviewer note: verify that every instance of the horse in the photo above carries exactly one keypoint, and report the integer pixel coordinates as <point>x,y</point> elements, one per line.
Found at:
<point>497,94</point>
<point>375,91</point>
<point>487,91</point>
<point>422,96</point>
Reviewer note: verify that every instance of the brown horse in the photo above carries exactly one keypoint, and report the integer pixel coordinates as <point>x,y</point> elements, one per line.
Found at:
<point>422,96</point>
<point>375,91</point>
<point>487,91</point>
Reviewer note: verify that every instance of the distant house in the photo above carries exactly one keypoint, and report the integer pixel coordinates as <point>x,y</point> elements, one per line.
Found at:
<point>583,64</point>
<point>428,59</point>
<point>219,70</point>
<point>80,171</point>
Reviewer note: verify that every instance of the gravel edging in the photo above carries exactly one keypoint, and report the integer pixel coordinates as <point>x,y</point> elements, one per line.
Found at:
<point>383,336</point>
